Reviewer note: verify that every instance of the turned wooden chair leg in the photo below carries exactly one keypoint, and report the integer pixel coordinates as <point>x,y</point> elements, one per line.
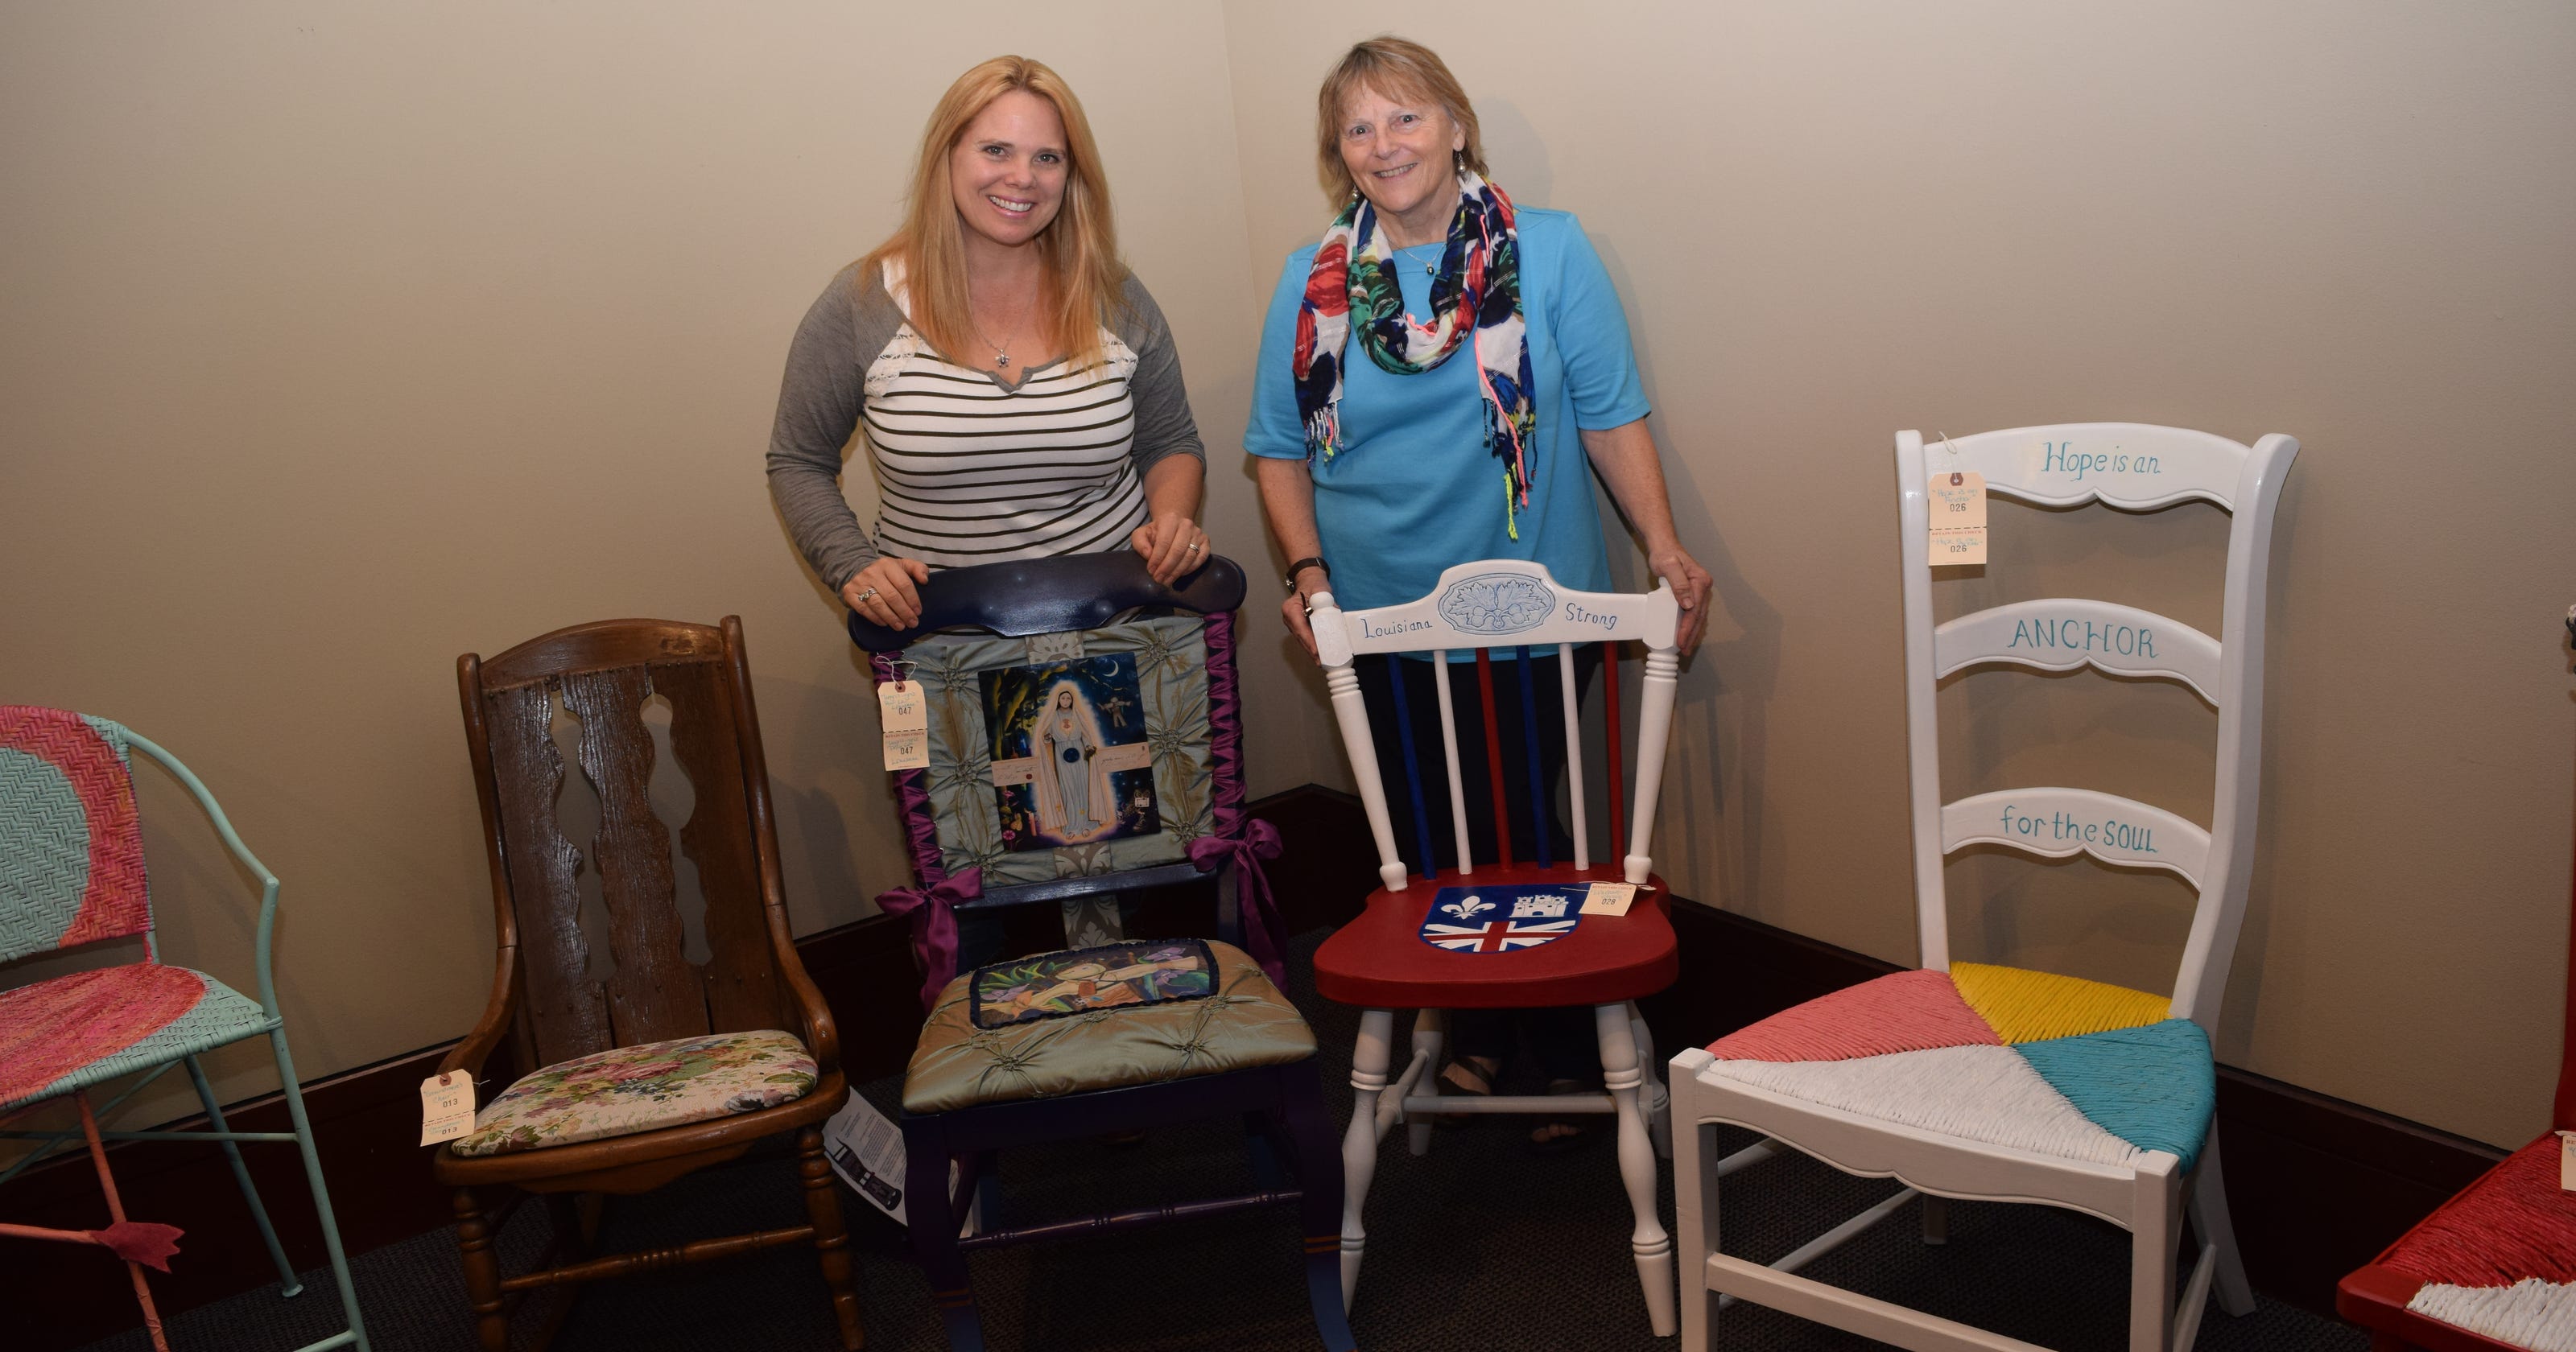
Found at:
<point>1319,1177</point>
<point>831,1237</point>
<point>482,1273</point>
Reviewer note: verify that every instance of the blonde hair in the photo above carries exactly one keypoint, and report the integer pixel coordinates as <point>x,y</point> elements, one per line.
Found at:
<point>1397,69</point>
<point>1084,279</point>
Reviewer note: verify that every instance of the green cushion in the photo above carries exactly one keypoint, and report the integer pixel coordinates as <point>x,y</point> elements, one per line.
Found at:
<point>1145,702</point>
<point>1246,1023</point>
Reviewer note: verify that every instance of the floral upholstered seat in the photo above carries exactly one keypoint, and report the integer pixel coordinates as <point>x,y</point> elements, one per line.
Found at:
<point>1244,1023</point>
<point>651,1085</point>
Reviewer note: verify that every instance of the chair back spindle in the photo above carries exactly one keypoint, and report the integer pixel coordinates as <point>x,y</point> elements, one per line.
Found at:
<point>1473,605</point>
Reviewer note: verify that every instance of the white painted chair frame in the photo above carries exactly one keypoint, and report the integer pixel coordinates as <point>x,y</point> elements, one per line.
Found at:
<point>1632,1091</point>
<point>2132,467</point>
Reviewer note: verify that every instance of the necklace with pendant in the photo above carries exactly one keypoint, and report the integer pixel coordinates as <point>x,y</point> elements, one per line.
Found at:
<point>1001,359</point>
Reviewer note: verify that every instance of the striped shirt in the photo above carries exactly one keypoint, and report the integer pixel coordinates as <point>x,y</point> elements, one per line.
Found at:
<point>968,470</point>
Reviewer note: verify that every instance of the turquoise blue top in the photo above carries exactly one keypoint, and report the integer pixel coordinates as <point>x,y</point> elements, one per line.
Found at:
<point>1414,490</point>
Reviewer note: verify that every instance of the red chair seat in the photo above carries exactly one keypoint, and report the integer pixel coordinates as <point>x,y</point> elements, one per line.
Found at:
<point>2514,1224</point>
<point>1380,961</point>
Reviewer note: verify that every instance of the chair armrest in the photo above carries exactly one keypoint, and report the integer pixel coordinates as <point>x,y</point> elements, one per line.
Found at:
<point>470,1054</point>
<point>822,1033</point>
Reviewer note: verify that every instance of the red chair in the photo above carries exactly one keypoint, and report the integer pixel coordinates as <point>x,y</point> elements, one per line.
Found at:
<point>1506,934</point>
<point>2495,1266</point>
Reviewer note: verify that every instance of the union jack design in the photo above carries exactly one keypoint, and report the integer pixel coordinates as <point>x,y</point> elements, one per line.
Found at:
<point>1495,936</point>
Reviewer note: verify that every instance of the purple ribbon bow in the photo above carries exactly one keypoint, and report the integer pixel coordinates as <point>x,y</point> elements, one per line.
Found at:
<point>1259,841</point>
<point>934,924</point>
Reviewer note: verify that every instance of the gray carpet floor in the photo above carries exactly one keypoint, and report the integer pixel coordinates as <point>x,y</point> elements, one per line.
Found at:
<point>1477,1246</point>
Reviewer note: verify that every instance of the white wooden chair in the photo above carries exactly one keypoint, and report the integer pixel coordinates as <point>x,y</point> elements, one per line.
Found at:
<point>1996,1083</point>
<point>1508,934</point>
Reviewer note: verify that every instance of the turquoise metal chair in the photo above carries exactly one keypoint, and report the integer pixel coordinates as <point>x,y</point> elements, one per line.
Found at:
<point>71,873</point>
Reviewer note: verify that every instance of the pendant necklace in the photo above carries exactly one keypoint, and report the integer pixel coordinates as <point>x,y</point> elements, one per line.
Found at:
<point>1001,359</point>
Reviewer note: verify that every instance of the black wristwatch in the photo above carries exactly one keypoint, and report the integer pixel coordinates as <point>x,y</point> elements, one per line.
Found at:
<point>1302,565</point>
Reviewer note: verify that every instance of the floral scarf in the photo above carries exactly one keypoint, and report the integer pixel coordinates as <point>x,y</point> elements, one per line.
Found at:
<point>1478,287</point>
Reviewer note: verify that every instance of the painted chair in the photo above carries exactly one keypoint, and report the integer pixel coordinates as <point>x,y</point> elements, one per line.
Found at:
<point>1084,739</point>
<point>71,873</point>
<point>2494,1268</point>
<point>1505,934</point>
<point>664,1065</point>
<point>1997,1083</point>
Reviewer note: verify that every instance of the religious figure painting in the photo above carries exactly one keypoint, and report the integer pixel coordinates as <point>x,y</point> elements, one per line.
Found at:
<point>1071,765</point>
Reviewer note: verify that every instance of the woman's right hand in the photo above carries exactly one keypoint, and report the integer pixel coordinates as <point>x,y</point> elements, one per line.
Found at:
<point>1294,609</point>
<point>883,592</point>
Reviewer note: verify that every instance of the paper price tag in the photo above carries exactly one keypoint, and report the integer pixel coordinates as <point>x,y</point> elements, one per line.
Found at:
<point>2567,1161</point>
<point>446,1107</point>
<point>906,718</point>
<point>1609,898</point>
<point>1958,510</point>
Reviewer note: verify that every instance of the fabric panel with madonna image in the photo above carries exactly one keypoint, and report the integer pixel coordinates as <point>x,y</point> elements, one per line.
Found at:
<point>1068,755</point>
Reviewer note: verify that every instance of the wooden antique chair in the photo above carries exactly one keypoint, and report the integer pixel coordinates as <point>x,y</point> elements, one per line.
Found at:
<point>1505,934</point>
<point>1084,739</point>
<point>71,873</point>
<point>2494,1268</point>
<point>1997,1083</point>
<point>726,1051</point>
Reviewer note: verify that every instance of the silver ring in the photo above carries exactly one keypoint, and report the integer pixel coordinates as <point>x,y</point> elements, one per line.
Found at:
<point>868,595</point>
<point>1196,546</point>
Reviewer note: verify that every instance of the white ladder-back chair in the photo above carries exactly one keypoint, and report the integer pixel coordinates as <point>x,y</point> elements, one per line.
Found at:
<point>1995,1083</point>
<point>1507,934</point>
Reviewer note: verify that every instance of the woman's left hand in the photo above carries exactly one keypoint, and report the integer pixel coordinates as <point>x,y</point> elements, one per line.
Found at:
<point>1691,586</point>
<point>1171,546</point>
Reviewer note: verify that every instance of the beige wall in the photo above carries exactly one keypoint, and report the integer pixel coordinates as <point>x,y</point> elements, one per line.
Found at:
<point>2346,222</point>
<point>343,340</point>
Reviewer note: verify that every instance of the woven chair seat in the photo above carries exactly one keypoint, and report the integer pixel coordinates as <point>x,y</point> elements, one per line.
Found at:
<point>2033,1061</point>
<point>73,1031</point>
<point>1245,1023</point>
<point>2499,1259</point>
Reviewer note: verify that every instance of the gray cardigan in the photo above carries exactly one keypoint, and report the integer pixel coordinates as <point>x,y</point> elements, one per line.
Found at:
<point>819,400</point>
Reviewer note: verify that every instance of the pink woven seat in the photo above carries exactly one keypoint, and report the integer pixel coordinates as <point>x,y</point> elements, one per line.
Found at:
<point>74,1031</point>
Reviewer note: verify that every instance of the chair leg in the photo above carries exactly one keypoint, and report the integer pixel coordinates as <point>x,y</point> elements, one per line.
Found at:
<point>1695,1215</point>
<point>482,1273</point>
<point>1319,1178</point>
<point>2209,1212</point>
<point>931,1215</point>
<point>1936,1219</point>
<point>1261,1150</point>
<point>1653,1247</point>
<point>1359,1144</point>
<point>1651,1094</point>
<point>2155,1229</point>
<point>288,1284</point>
<point>1430,1029</point>
<point>116,1214</point>
<point>293,1092</point>
<point>831,1238</point>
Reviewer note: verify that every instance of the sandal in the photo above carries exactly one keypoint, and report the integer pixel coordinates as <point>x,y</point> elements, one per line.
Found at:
<point>1563,1135</point>
<point>1467,1076</point>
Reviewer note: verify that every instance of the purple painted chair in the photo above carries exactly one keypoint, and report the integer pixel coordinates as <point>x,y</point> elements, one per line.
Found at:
<point>1084,739</point>
<point>71,873</point>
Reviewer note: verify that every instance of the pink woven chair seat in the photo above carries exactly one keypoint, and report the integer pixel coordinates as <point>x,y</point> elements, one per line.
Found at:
<point>73,1031</point>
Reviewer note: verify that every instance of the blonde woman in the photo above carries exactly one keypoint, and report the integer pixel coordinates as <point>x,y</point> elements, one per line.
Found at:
<point>1018,387</point>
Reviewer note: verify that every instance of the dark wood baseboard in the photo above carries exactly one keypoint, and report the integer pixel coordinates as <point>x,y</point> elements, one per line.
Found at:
<point>2317,1185</point>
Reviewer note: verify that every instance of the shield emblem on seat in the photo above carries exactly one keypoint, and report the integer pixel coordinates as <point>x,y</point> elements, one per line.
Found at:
<point>1499,919</point>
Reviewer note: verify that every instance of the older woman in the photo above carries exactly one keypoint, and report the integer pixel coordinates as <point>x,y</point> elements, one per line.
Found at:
<point>1441,377</point>
<point>1018,387</point>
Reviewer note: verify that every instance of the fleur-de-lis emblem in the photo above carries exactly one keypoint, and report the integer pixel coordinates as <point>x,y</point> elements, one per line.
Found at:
<point>1468,907</point>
